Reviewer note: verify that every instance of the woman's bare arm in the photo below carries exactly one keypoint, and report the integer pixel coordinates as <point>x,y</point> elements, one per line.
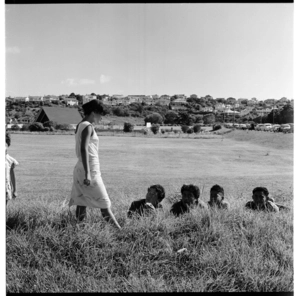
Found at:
<point>85,139</point>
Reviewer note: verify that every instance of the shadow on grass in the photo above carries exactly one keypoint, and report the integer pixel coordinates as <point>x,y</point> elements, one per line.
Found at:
<point>19,221</point>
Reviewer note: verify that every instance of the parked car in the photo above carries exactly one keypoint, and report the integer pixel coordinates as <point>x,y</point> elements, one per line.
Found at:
<point>229,125</point>
<point>259,127</point>
<point>243,126</point>
<point>275,128</point>
<point>285,128</point>
<point>267,127</point>
<point>291,130</point>
<point>236,125</point>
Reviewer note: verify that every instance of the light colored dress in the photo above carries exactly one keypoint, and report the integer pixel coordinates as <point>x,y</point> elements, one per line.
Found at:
<point>94,195</point>
<point>9,188</point>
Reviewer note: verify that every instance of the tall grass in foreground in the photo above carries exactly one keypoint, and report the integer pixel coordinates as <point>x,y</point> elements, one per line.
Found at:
<point>235,250</point>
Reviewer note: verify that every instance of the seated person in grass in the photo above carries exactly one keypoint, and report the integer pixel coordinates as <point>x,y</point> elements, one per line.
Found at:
<point>155,194</point>
<point>190,199</point>
<point>262,201</point>
<point>217,198</point>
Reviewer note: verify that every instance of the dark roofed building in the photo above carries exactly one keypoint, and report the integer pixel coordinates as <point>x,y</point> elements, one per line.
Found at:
<point>59,115</point>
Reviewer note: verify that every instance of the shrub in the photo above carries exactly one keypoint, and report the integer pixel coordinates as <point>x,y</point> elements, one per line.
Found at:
<point>155,128</point>
<point>36,127</point>
<point>216,127</point>
<point>64,127</point>
<point>52,129</point>
<point>128,127</point>
<point>46,129</point>
<point>184,128</point>
<point>25,127</point>
<point>15,127</point>
<point>190,131</point>
<point>176,131</point>
<point>163,131</point>
<point>155,118</point>
<point>50,123</point>
<point>197,128</point>
<point>145,131</point>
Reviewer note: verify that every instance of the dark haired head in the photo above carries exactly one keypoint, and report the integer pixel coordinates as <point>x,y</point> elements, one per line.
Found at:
<point>217,188</point>
<point>92,106</point>
<point>263,189</point>
<point>191,188</point>
<point>160,191</point>
<point>7,139</point>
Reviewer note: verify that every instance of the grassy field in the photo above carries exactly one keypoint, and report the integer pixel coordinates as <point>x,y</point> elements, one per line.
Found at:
<point>233,250</point>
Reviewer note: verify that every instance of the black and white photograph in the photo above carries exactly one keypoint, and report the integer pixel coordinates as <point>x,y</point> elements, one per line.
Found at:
<point>149,147</point>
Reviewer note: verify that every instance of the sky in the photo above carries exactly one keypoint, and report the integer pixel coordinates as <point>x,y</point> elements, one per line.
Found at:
<point>222,50</point>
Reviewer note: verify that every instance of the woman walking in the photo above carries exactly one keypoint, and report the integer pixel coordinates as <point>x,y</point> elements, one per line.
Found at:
<point>88,189</point>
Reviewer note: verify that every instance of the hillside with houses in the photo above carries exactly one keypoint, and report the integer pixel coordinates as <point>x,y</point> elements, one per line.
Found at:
<point>175,109</point>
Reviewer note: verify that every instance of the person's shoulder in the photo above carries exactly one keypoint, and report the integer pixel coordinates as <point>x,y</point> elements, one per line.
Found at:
<point>177,207</point>
<point>11,160</point>
<point>84,125</point>
<point>139,202</point>
<point>136,206</point>
<point>249,204</point>
<point>225,204</point>
<point>177,204</point>
<point>271,206</point>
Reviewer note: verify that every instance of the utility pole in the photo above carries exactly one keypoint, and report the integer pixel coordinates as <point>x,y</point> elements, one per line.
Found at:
<point>233,113</point>
<point>273,112</point>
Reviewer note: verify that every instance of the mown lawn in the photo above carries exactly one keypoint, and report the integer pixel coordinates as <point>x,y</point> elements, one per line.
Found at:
<point>235,250</point>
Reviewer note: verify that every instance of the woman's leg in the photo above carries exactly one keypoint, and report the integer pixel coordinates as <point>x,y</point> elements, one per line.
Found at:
<point>80,213</point>
<point>13,183</point>
<point>109,217</point>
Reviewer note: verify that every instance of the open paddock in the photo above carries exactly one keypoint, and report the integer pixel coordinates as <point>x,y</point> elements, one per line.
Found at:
<point>225,250</point>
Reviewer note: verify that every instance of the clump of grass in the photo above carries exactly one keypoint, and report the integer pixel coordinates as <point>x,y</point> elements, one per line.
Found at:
<point>235,250</point>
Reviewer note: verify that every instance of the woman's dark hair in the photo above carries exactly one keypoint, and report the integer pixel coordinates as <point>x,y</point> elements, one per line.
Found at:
<point>217,188</point>
<point>263,189</point>
<point>92,106</point>
<point>160,191</point>
<point>191,188</point>
<point>7,139</point>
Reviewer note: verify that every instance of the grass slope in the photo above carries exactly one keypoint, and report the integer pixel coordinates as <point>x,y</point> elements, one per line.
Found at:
<point>233,250</point>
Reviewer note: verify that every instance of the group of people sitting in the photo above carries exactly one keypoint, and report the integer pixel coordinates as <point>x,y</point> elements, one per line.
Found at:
<point>190,199</point>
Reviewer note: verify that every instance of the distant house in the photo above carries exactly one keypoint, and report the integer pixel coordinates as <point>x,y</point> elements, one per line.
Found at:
<point>251,103</point>
<point>35,99</point>
<point>240,100</point>
<point>219,107</point>
<point>178,104</point>
<point>155,97</point>
<point>71,101</point>
<point>9,99</point>
<point>136,98</point>
<point>164,100</point>
<point>49,98</point>
<point>207,109</point>
<point>263,112</point>
<point>88,98</point>
<point>269,101</point>
<point>19,99</point>
<point>230,101</point>
<point>60,115</point>
<point>246,111</point>
<point>229,112</point>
